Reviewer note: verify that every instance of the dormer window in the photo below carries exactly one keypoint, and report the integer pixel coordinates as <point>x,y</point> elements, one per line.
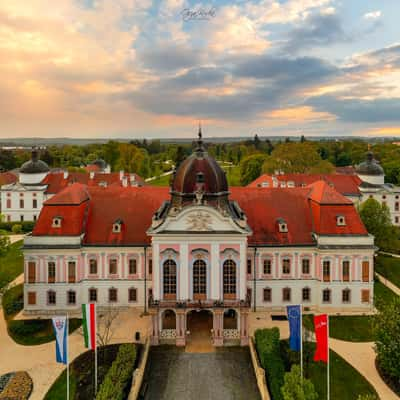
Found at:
<point>200,177</point>
<point>117,225</point>
<point>340,220</point>
<point>282,225</point>
<point>57,222</point>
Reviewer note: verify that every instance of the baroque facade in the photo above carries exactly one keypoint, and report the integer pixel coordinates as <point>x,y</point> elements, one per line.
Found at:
<point>197,249</point>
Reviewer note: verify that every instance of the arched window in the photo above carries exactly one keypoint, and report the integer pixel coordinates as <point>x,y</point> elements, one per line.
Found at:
<point>229,271</point>
<point>199,279</point>
<point>169,279</point>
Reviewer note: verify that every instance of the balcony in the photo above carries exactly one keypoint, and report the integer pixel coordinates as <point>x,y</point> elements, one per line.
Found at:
<point>199,304</point>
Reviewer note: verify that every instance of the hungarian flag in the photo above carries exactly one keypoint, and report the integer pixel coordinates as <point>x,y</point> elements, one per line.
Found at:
<point>89,325</point>
<point>321,336</point>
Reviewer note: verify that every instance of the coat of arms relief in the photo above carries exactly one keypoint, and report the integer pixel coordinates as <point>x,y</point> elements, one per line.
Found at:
<point>199,221</point>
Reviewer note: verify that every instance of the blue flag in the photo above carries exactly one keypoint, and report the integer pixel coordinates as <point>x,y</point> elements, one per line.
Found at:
<point>294,317</point>
<point>60,326</point>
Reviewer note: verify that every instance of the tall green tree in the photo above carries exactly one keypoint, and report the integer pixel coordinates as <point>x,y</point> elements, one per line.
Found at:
<point>296,388</point>
<point>387,338</point>
<point>251,168</point>
<point>376,218</point>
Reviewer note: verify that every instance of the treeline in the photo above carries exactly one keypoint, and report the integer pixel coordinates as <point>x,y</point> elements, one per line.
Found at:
<point>250,157</point>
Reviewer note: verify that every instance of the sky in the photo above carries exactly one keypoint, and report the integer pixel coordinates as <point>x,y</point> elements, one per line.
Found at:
<point>154,69</point>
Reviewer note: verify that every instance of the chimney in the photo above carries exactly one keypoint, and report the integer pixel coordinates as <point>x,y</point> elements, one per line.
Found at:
<point>91,174</point>
<point>121,175</point>
<point>65,174</point>
<point>125,181</point>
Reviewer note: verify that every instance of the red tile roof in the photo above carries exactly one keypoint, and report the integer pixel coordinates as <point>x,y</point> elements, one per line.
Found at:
<point>94,209</point>
<point>7,178</point>
<point>345,184</point>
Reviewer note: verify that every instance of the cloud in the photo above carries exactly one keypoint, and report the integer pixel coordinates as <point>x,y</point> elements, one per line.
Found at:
<point>373,14</point>
<point>317,30</point>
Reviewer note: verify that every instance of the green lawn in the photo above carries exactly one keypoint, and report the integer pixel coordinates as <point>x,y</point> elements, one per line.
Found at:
<point>161,181</point>
<point>382,294</point>
<point>352,328</point>
<point>11,264</point>
<point>346,382</point>
<point>389,267</point>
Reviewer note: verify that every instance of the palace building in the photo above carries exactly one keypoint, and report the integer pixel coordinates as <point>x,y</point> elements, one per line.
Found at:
<point>199,248</point>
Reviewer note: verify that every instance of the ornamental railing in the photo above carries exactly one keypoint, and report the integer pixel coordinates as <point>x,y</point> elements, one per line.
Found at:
<point>199,304</point>
<point>168,334</point>
<point>231,334</point>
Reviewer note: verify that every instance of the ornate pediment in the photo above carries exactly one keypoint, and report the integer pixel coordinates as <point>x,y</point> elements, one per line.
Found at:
<point>199,221</point>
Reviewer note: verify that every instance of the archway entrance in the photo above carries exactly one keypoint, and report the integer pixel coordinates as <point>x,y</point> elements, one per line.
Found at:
<point>199,325</point>
<point>230,319</point>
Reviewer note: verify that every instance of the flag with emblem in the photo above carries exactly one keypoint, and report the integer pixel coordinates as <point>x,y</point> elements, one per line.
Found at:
<point>60,326</point>
<point>89,325</point>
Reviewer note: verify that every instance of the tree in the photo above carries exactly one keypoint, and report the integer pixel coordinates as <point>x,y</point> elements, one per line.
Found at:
<point>376,218</point>
<point>105,331</point>
<point>257,142</point>
<point>367,397</point>
<point>296,388</point>
<point>386,324</point>
<point>180,156</point>
<point>251,168</point>
<point>131,158</point>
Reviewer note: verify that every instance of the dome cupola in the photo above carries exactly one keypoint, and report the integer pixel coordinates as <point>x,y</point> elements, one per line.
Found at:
<point>199,178</point>
<point>32,172</point>
<point>370,170</point>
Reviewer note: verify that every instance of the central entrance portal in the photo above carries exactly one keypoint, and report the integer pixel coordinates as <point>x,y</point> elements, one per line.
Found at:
<point>199,325</point>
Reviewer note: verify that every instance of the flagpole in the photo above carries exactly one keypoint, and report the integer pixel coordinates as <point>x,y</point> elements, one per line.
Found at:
<point>327,339</point>
<point>301,342</point>
<point>67,333</point>
<point>95,350</point>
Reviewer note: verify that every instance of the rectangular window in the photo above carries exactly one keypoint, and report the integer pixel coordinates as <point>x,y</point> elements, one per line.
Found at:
<point>112,295</point>
<point>71,297</point>
<point>396,220</point>
<point>34,203</point>
<point>93,266</point>
<point>51,297</point>
<point>396,206</point>
<point>267,264</point>
<point>132,266</point>
<point>267,295</point>
<point>286,294</point>
<point>8,203</point>
<point>150,266</point>
<point>326,296</point>
<point>21,218</point>
<point>35,218</point>
<point>21,203</point>
<point>305,266</point>
<point>365,296</point>
<point>286,266</point>
<point>71,272</point>
<point>365,271</point>
<point>326,270</point>
<point>92,295</point>
<point>346,271</point>
<point>31,272</point>
<point>132,294</point>
<point>249,266</point>
<point>306,294</point>
<point>346,296</point>
<point>51,272</point>
<point>32,298</point>
<point>113,266</point>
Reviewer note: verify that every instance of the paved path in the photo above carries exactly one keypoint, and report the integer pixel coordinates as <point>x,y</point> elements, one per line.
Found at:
<point>362,357</point>
<point>226,374</point>
<point>389,284</point>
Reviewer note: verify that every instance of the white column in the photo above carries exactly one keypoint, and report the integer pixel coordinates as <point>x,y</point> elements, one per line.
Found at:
<point>183,272</point>
<point>243,270</point>
<point>215,272</point>
<point>156,270</point>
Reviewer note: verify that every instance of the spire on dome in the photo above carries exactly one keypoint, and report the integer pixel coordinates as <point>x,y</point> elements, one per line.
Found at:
<point>200,147</point>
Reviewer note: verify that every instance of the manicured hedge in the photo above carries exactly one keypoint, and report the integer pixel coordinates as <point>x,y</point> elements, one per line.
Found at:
<point>13,301</point>
<point>117,382</point>
<point>268,348</point>
<point>26,226</point>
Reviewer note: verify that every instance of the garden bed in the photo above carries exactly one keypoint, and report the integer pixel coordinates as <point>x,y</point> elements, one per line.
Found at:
<point>395,386</point>
<point>16,386</point>
<point>82,374</point>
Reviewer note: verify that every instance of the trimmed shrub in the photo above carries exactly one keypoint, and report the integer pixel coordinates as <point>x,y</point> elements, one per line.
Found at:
<point>13,301</point>
<point>268,348</point>
<point>26,226</point>
<point>117,382</point>
<point>17,228</point>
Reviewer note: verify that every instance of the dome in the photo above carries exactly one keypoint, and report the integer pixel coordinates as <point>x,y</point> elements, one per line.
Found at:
<point>34,165</point>
<point>100,163</point>
<point>199,172</point>
<point>370,166</point>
